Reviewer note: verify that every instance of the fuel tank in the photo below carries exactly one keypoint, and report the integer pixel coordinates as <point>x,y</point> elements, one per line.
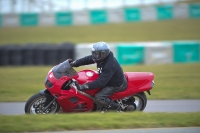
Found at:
<point>87,76</point>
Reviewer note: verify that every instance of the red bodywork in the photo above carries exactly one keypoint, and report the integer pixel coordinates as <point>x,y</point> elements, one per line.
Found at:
<point>72,101</point>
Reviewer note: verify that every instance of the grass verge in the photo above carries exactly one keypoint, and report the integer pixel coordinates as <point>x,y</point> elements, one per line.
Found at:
<point>90,121</point>
<point>172,81</point>
<point>184,29</point>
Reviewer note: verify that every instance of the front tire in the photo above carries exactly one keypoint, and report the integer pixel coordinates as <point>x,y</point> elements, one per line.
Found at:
<point>37,103</point>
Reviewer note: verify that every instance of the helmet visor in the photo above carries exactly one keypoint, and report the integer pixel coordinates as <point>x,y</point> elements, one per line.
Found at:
<point>96,55</point>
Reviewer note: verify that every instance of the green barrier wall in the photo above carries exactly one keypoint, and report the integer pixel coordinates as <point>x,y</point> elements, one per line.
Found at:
<point>132,14</point>
<point>64,18</point>
<point>0,20</point>
<point>194,10</point>
<point>186,52</point>
<point>130,54</point>
<point>150,52</point>
<point>164,12</point>
<point>103,16</point>
<point>29,19</point>
<point>98,17</point>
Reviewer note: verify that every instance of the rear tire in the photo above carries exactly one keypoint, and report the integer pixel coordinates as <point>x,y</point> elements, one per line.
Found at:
<point>36,104</point>
<point>140,101</point>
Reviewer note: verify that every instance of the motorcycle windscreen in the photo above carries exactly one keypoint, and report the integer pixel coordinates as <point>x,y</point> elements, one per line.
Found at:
<point>64,69</point>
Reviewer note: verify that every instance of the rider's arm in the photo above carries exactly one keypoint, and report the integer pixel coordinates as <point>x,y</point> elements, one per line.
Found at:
<point>84,61</point>
<point>103,78</point>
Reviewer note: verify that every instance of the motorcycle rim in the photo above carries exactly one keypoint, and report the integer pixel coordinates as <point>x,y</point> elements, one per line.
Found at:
<point>36,104</point>
<point>140,101</point>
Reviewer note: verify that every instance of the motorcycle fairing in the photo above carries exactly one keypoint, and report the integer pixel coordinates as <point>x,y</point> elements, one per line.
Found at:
<point>137,82</point>
<point>75,101</point>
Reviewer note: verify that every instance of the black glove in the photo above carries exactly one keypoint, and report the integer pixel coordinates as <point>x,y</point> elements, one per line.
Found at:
<point>82,87</point>
<point>71,62</point>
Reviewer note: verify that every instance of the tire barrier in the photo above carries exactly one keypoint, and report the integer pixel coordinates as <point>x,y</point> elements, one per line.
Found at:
<point>35,54</point>
<point>27,53</point>
<point>4,58</point>
<point>131,53</point>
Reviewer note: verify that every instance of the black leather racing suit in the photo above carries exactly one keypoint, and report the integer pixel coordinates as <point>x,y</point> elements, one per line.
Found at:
<point>111,79</point>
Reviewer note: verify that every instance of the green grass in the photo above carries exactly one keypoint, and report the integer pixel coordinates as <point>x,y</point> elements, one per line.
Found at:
<point>186,29</point>
<point>172,81</point>
<point>90,121</point>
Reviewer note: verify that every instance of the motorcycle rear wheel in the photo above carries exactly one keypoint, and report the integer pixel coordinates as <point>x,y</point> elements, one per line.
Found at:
<point>140,101</point>
<point>36,104</point>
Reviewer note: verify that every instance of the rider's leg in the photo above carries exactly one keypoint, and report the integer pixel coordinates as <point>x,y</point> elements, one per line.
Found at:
<point>102,98</point>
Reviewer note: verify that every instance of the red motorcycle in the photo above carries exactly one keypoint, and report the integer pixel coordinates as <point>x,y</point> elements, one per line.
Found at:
<point>61,93</point>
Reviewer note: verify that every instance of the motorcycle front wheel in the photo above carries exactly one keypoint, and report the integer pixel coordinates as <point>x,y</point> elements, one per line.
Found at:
<point>37,104</point>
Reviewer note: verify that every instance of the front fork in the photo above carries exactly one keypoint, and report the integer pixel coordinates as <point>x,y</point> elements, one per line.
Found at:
<point>50,99</point>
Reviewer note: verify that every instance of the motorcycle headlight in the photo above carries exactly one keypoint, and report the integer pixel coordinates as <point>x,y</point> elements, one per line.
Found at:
<point>48,84</point>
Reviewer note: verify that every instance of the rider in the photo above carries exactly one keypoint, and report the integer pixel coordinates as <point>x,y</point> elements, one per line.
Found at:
<point>111,77</point>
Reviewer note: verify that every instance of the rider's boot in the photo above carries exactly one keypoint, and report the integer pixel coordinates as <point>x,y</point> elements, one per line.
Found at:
<point>115,106</point>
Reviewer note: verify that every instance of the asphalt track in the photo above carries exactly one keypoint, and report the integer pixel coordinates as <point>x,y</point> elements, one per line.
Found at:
<point>148,130</point>
<point>17,108</point>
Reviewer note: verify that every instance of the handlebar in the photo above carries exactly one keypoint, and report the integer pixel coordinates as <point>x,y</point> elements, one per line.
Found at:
<point>75,85</point>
